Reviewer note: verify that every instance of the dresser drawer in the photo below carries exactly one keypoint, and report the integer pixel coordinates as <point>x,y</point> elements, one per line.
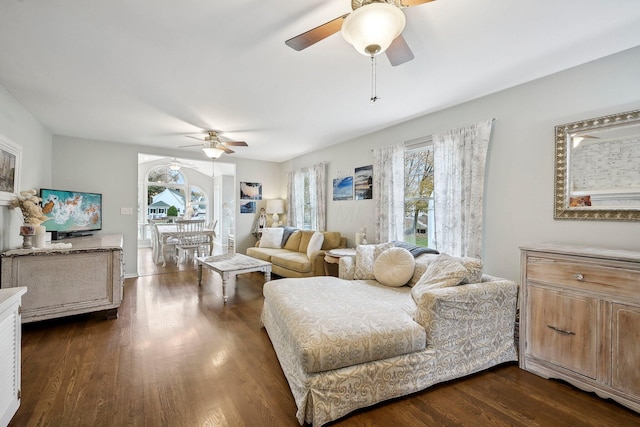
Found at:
<point>582,275</point>
<point>563,329</point>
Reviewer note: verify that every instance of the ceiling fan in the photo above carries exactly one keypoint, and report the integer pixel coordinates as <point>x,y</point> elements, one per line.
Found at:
<point>175,164</point>
<point>374,26</point>
<point>213,147</point>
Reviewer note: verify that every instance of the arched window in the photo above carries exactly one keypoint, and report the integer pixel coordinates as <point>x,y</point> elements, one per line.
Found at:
<point>166,189</point>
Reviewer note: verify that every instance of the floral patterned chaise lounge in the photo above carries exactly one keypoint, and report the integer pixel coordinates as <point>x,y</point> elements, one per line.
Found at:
<point>390,325</point>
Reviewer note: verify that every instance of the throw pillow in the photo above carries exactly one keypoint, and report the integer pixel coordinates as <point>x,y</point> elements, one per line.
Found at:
<point>315,243</point>
<point>365,258</point>
<point>443,272</point>
<point>271,237</point>
<point>474,268</point>
<point>394,267</point>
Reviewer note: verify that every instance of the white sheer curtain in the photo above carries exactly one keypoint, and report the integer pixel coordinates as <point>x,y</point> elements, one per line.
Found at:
<point>388,192</point>
<point>295,199</point>
<point>459,159</point>
<point>317,197</point>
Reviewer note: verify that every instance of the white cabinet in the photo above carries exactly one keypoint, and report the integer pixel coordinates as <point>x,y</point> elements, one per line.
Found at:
<point>580,319</point>
<point>62,281</point>
<point>10,339</point>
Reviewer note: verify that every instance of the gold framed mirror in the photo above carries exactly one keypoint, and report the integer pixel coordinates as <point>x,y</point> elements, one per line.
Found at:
<point>597,168</point>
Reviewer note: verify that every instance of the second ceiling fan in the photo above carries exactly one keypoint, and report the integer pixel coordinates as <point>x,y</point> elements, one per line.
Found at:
<point>374,26</point>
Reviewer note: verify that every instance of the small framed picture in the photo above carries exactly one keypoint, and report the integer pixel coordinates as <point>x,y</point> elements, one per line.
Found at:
<point>343,188</point>
<point>247,207</point>
<point>10,168</point>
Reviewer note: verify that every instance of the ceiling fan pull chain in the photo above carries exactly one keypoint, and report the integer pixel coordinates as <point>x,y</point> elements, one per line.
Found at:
<point>374,97</point>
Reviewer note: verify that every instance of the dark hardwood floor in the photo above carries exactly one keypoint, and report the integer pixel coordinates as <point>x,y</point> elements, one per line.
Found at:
<point>177,356</point>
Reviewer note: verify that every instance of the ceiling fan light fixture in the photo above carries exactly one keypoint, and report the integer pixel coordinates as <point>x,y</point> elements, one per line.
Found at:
<point>212,152</point>
<point>371,28</point>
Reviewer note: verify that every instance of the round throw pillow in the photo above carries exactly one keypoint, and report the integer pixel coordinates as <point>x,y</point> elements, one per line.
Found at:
<point>394,267</point>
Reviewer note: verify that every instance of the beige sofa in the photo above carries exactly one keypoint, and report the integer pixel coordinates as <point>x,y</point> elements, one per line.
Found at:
<point>293,259</point>
<point>347,343</point>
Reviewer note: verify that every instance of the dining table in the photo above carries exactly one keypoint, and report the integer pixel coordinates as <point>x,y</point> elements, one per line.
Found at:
<point>168,231</point>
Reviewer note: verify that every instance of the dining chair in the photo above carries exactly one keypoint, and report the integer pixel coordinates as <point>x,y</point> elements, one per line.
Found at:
<point>157,246</point>
<point>191,239</point>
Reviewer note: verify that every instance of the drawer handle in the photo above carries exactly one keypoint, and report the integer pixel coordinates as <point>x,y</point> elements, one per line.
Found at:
<point>562,331</point>
<point>578,276</point>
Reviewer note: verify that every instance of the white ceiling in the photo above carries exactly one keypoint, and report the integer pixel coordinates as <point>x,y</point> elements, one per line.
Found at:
<point>151,71</point>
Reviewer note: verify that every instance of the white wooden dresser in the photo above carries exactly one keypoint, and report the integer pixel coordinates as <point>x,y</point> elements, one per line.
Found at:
<point>86,277</point>
<point>580,318</point>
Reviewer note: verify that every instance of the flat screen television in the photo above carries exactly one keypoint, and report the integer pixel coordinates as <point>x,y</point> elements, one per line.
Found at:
<point>71,213</point>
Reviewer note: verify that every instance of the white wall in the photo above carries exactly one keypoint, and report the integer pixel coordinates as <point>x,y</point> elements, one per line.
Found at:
<point>20,127</point>
<point>112,169</point>
<point>519,180</point>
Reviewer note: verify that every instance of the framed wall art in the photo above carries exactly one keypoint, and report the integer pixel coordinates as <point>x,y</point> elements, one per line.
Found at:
<point>10,168</point>
<point>251,190</point>
<point>343,188</point>
<point>363,183</point>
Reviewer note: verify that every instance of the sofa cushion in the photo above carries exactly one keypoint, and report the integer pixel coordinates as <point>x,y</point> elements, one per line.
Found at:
<point>290,260</point>
<point>474,268</point>
<point>264,254</point>
<point>327,326</point>
<point>293,242</point>
<point>422,262</point>
<point>365,258</point>
<point>315,243</point>
<point>304,240</point>
<point>331,240</point>
<point>394,267</point>
<point>442,272</point>
<point>271,237</point>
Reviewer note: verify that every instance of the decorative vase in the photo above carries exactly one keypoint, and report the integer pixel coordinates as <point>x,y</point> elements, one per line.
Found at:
<point>27,232</point>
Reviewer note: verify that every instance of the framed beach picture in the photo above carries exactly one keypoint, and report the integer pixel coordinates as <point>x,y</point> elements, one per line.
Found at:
<point>10,165</point>
<point>343,188</point>
<point>363,182</point>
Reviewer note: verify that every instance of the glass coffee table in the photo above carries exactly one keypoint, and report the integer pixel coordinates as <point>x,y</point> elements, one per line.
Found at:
<point>230,265</point>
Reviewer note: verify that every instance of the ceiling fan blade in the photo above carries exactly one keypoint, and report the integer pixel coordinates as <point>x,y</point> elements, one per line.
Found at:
<point>193,145</point>
<point>236,143</point>
<point>225,148</point>
<point>313,36</point>
<point>194,137</point>
<point>398,52</point>
<point>407,3</point>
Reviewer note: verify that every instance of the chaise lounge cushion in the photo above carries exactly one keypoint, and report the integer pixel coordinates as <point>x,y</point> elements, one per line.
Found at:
<point>381,328</point>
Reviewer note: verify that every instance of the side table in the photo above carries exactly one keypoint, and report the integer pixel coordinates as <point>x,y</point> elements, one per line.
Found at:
<point>332,259</point>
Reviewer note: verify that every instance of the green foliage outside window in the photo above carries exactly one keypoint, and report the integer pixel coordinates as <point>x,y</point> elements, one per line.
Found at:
<point>172,211</point>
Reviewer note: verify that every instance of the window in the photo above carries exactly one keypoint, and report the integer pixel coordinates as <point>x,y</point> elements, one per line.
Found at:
<point>165,188</point>
<point>419,227</point>
<point>199,203</point>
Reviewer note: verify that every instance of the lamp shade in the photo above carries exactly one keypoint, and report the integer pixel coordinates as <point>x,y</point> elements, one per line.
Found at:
<point>275,206</point>
<point>372,28</point>
<point>212,153</point>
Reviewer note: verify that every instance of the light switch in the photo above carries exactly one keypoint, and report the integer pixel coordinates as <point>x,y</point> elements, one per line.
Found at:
<point>126,211</point>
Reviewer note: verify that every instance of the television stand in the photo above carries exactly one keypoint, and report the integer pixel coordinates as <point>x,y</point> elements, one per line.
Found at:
<point>63,281</point>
